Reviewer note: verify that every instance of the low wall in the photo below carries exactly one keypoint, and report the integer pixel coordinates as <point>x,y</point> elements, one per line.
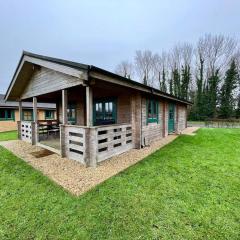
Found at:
<point>113,140</point>
<point>25,128</point>
<point>91,145</point>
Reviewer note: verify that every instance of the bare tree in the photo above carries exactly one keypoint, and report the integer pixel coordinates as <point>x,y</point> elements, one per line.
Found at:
<point>125,69</point>
<point>180,55</point>
<point>180,59</point>
<point>218,52</point>
<point>236,58</point>
<point>187,54</point>
<point>144,62</point>
<point>160,68</point>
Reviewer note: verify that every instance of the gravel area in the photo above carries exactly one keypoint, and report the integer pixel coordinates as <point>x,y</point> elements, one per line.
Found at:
<point>75,177</point>
<point>190,131</point>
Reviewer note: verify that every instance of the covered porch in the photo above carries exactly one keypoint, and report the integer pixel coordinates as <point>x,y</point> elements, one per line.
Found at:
<point>93,122</point>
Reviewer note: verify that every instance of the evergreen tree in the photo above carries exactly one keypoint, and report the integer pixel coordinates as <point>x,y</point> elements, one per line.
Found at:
<point>163,86</point>
<point>199,79</point>
<point>226,98</point>
<point>238,107</point>
<point>212,94</point>
<point>145,80</point>
<point>203,111</point>
<point>176,83</point>
<point>186,76</point>
<point>171,86</point>
<point>199,94</point>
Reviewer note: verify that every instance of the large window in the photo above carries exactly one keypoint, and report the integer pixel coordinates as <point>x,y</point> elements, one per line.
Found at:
<point>152,111</point>
<point>27,115</point>
<point>49,114</point>
<point>104,111</point>
<point>71,113</point>
<point>7,114</point>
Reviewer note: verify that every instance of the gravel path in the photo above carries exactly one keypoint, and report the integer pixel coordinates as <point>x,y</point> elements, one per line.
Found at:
<point>73,176</point>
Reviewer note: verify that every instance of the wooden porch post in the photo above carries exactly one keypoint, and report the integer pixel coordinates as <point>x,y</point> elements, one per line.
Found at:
<point>64,122</point>
<point>91,138</point>
<point>20,119</point>
<point>20,111</point>
<point>91,147</point>
<point>56,114</point>
<point>35,122</point>
<point>64,107</point>
<point>35,116</point>
<point>164,119</point>
<point>89,106</point>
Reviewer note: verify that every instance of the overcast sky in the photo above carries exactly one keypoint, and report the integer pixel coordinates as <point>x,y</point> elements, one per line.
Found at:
<point>105,32</point>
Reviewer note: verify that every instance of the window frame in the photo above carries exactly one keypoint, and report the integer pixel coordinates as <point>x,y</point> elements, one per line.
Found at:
<point>71,106</point>
<point>52,114</point>
<point>12,118</point>
<point>153,103</point>
<point>27,110</point>
<point>114,111</point>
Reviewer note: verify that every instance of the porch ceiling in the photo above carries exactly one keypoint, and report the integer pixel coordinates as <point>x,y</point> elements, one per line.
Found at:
<point>56,96</point>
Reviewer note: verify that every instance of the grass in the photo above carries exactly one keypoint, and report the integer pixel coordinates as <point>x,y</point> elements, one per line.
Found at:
<point>11,135</point>
<point>190,189</point>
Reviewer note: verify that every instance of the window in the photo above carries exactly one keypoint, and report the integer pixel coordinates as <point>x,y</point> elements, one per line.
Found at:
<point>27,115</point>
<point>71,113</point>
<point>49,114</point>
<point>152,111</point>
<point>104,111</point>
<point>7,114</point>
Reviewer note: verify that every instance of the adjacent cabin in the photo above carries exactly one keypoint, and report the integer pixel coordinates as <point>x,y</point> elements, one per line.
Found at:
<point>9,113</point>
<point>98,114</point>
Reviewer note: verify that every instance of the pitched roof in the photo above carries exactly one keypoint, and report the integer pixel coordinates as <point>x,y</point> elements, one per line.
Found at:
<point>13,104</point>
<point>93,68</point>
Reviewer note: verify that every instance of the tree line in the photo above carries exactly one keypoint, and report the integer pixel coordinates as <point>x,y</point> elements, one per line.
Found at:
<point>206,73</point>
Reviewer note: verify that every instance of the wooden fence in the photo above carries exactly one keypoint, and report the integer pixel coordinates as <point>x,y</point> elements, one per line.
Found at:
<point>222,123</point>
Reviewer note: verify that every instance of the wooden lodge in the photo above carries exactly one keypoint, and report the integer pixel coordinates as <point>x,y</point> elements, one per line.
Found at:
<point>9,113</point>
<point>98,114</point>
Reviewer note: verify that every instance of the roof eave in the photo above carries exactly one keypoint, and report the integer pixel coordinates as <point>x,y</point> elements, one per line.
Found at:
<point>150,89</point>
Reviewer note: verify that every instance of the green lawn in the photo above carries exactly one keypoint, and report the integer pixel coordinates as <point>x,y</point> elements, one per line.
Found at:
<point>8,135</point>
<point>190,189</point>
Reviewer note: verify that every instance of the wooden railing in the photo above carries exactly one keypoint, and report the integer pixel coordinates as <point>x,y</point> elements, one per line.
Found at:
<point>113,140</point>
<point>222,123</point>
<point>74,142</point>
<point>87,145</point>
<point>90,145</point>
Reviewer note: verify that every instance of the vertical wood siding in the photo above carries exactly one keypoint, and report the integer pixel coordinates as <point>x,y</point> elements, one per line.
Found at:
<point>151,131</point>
<point>45,80</point>
<point>182,110</point>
